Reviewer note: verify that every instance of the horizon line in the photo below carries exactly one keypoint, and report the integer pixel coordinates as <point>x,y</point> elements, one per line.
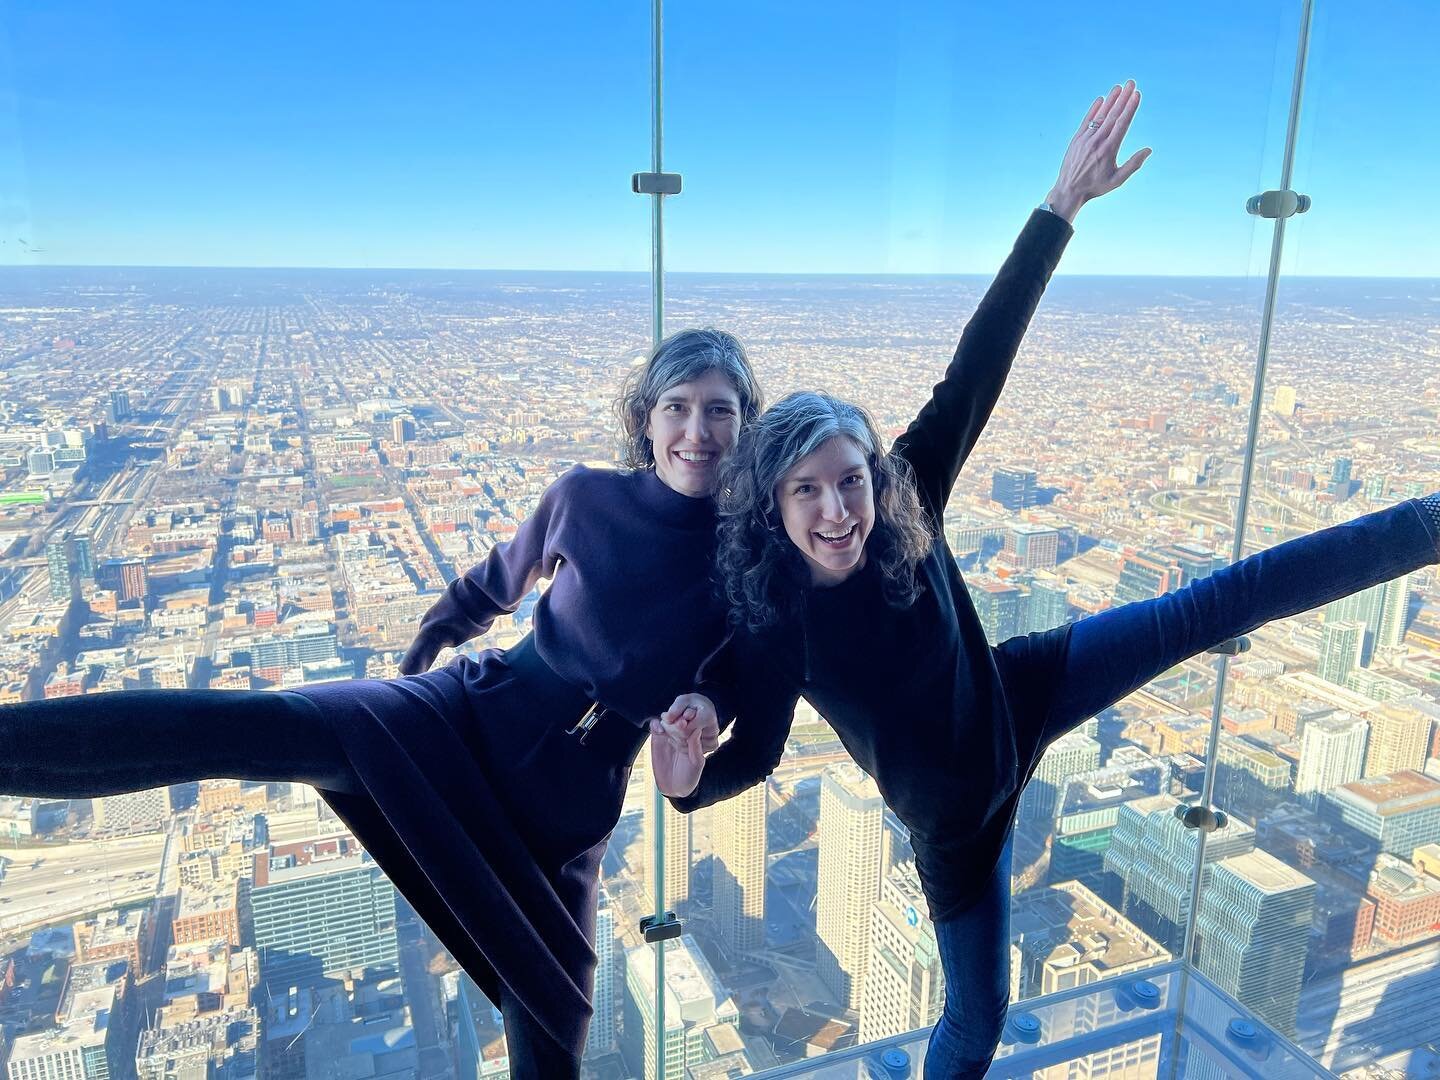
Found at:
<point>697,273</point>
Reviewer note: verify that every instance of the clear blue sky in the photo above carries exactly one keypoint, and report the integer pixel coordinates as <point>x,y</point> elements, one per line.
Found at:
<point>838,136</point>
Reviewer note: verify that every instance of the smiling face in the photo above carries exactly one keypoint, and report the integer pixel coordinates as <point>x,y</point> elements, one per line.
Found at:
<point>690,427</point>
<point>828,506</point>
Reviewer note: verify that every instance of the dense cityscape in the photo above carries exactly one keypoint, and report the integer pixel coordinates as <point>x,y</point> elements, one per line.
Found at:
<point>261,479</point>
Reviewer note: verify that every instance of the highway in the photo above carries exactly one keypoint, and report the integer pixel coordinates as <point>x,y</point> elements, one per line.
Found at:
<point>75,879</point>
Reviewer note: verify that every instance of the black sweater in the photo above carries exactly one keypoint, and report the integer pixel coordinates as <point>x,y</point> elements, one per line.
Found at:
<point>913,693</point>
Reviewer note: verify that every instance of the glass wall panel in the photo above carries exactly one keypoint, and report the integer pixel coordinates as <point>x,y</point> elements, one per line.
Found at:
<point>854,179</point>
<point>1327,745</point>
<point>300,312</point>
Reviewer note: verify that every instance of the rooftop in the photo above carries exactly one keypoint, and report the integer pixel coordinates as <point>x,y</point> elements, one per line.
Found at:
<point>1396,793</point>
<point>1265,872</point>
<point>1084,928</point>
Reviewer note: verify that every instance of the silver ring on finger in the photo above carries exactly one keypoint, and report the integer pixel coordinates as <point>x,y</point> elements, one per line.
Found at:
<point>1093,124</point>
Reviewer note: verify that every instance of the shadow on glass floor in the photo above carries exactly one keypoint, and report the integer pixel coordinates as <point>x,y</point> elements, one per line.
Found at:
<point>1126,1027</point>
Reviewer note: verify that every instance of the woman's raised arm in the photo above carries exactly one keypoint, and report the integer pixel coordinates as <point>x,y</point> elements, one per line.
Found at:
<point>941,437</point>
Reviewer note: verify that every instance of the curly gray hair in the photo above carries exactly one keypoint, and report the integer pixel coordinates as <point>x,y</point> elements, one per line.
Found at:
<point>756,556</point>
<point>682,357</point>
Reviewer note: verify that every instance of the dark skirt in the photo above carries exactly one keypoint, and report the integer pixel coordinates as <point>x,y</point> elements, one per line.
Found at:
<point>489,817</point>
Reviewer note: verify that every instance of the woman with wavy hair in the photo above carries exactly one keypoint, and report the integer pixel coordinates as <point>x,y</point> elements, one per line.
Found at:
<point>485,789</point>
<point>843,591</point>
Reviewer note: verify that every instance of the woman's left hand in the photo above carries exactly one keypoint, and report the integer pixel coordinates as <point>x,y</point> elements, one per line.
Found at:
<point>1089,169</point>
<point>680,737</point>
<point>676,760</point>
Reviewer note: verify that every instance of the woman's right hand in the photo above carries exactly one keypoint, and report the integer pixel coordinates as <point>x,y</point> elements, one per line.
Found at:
<point>679,740</point>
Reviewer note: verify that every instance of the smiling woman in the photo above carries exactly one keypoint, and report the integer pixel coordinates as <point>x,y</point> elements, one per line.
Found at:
<point>486,789</point>
<point>682,411</point>
<point>949,725</point>
<point>690,427</point>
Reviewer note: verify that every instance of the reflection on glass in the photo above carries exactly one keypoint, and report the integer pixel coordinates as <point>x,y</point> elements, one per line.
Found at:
<point>1327,925</point>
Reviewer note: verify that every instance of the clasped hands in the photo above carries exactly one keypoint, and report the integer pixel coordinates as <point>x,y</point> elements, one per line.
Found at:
<point>680,737</point>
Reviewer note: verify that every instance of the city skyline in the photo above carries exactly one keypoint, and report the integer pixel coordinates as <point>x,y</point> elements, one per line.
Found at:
<point>258,480</point>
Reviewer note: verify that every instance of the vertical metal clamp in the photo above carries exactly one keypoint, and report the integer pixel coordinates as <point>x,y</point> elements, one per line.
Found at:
<point>1232,647</point>
<point>1277,204</point>
<point>1202,818</point>
<point>661,928</point>
<point>655,183</point>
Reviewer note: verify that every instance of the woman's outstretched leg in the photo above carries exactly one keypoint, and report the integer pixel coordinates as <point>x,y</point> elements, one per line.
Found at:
<point>1098,660</point>
<point>103,744</point>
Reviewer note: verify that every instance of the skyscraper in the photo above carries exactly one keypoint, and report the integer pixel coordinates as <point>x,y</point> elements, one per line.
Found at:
<point>1046,605</point>
<point>998,606</point>
<point>322,908</point>
<point>1332,752</point>
<point>1032,547</point>
<point>1144,576</point>
<point>283,651</point>
<point>57,560</point>
<point>678,838</point>
<point>1383,609</point>
<point>851,819</point>
<point>1248,778</point>
<point>1340,645</point>
<point>1088,808</point>
<point>83,555</point>
<point>1013,489</point>
<point>1283,402</point>
<point>602,1027</point>
<point>1067,936</point>
<point>120,406</point>
<point>1394,613</point>
<point>1253,929</point>
<point>1071,754</point>
<point>1363,606</point>
<point>1152,856</point>
<point>1399,739</point>
<point>738,829</point>
<point>904,986</point>
<point>92,1043</point>
<point>1399,812</point>
<point>695,1003</point>
<point>1195,562</point>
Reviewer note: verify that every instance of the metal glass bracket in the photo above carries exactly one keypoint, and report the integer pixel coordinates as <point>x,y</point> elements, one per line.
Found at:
<point>661,928</point>
<point>655,183</point>
<point>1202,817</point>
<point>1233,647</point>
<point>1277,204</point>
